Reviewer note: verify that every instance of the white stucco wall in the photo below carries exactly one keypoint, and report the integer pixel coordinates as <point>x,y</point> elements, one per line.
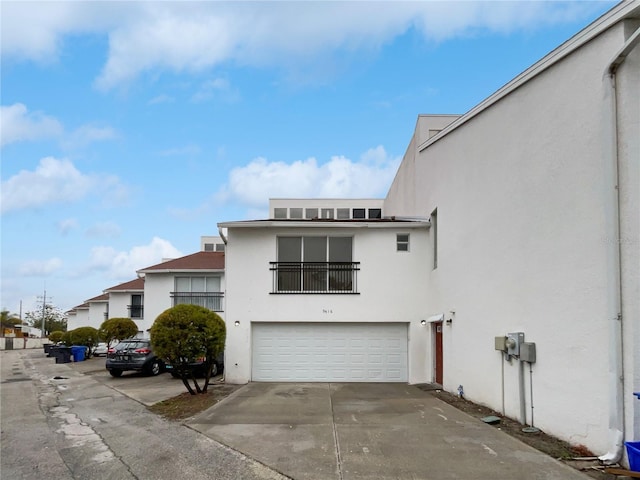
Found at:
<point>384,282</point>
<point>521,244</point>
<point>119,303</point>
<point>96,314</point>
<point>157,296</point>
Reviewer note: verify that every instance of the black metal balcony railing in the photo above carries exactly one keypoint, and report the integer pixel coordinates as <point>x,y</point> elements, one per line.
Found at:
<point>210,300</point>
<point>315,277</point>
<point>136,311</point>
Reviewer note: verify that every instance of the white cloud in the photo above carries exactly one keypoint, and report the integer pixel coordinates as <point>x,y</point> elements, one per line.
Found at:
<point>66,225</point>
<point>55,181</point>
<point>104,229</point>
<point>161,99</point>
<point>88,134</point>
<point>125,264</point>
<point>217,88</point>
<point>39,268</point>
<point>195,36</point>
<point>187,150</point>
<point>20,125</point>
<point>340,177</point>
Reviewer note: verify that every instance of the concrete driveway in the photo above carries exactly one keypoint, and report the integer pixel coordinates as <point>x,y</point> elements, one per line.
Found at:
<point>354,431</point>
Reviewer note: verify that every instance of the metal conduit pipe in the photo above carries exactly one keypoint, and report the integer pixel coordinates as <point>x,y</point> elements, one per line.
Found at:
<point>616,357</point>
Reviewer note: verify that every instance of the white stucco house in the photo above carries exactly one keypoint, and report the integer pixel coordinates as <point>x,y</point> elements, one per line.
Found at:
<point>194,279</point>
<point>505,254</point>
<point>126,300</point>
<point>91,313</point>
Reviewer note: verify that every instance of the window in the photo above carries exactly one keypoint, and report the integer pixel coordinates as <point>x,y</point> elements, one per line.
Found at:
<point>327,213</point>
<point>358,213</point>
<point>434,233</point>
<point>342,214</point>
<point>402,242</point>
<point>202,291</point>
<point>314,264</point>
<point>219,247</point>
<point>311,213</point>
<point>208,247</point>
<point>136,308</point>
<point>295,213</point>
<point>375,213</point>
<point>279,213</point>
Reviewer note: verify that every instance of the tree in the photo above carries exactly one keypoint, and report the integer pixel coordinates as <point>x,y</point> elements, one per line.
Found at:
<point>117,329</point>
<point>56,336</point>
<point>183,335</point>
<point>87,336</point>
<point>54,319</point>
<point>8,319</point>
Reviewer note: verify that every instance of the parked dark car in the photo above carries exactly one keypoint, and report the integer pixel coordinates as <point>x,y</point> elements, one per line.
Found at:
<point>199,367</point>
<point>133,354</point>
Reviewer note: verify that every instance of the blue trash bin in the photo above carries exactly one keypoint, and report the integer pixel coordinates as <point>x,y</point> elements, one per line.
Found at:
<point>78,352</point>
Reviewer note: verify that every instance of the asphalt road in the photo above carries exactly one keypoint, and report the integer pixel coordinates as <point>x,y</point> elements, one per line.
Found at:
<point>59,424</point>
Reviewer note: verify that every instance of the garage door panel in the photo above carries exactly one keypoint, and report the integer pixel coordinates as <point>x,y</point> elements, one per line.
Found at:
<point>322,352</point>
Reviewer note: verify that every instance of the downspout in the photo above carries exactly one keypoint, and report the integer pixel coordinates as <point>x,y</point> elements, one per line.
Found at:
<point>224,239</point>
<point>616,357</point>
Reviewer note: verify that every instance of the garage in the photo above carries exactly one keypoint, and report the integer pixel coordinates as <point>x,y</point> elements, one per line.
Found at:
<point>329,352</point>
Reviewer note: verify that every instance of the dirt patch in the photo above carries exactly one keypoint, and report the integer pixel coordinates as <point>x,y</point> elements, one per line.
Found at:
<point>186,405</point>
<point>576,456</point>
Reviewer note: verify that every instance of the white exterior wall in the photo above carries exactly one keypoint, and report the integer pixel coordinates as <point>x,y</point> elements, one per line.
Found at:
<point>384,282</point>
<point>96,314</point>
<point>522,243</point>
<point>157,297</point>
<point>80,319</point>
<point>119,303</point>
<point>628,90</point>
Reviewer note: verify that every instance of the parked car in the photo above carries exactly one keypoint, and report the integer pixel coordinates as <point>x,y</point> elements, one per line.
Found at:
<point>133,354</point>
<point>100,349</point>
<point>199,367</point>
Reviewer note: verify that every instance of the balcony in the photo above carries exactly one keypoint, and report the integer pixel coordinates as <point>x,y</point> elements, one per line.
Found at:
<point>135,311</point>
<point>315,277</point>
<point>209,300</point>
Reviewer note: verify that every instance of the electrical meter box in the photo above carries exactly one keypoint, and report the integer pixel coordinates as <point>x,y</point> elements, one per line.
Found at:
<point>513,342</point>
<point>499,343</point>
<point>528,352</point>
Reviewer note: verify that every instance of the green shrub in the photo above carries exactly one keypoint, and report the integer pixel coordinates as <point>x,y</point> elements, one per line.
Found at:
<point>185,333</point>
<point>117,329</point>
<point>56,336</point>
<point>87,336</point>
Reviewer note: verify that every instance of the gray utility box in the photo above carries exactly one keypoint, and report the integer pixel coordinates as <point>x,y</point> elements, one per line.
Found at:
<point>528,352</point>
<point>514,340</point>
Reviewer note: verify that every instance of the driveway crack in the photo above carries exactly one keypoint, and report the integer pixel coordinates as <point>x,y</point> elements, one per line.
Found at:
<point>335,436</point>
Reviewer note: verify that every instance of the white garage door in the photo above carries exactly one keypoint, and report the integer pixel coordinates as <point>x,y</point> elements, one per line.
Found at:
<point>329,352</point>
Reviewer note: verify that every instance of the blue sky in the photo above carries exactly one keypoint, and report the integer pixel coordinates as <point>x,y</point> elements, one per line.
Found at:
<point>130,129</point>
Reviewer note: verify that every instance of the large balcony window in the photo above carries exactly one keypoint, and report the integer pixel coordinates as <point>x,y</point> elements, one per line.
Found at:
<point>202,291</point>
<point>314,264</point>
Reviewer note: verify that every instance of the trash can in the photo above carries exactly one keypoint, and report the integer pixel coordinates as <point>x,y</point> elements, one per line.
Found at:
<point>633,452</point>
<point>46,347</point>
<point>53,350</point>
<point>63,354</point>
<point>78,352</point>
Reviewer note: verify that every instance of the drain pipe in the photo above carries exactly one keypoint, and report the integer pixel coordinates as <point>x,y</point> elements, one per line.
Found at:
<point>616,357</point>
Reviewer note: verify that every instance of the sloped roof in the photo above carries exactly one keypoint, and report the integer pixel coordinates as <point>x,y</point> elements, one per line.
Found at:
<point>82,306</point>
<point>100,298</point>
<point>137,284</point>
<point>195,261</point>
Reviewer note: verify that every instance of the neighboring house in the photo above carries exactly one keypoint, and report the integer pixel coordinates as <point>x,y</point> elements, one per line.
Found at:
<point>126,300</point>
<point>98,311</point>
<point>193,279</point>
<point>521,216</point>
<point>317,298</point>
<point>78,316</point>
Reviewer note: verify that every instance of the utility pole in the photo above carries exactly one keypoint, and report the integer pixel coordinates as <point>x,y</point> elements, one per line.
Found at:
<point>44,309</point>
